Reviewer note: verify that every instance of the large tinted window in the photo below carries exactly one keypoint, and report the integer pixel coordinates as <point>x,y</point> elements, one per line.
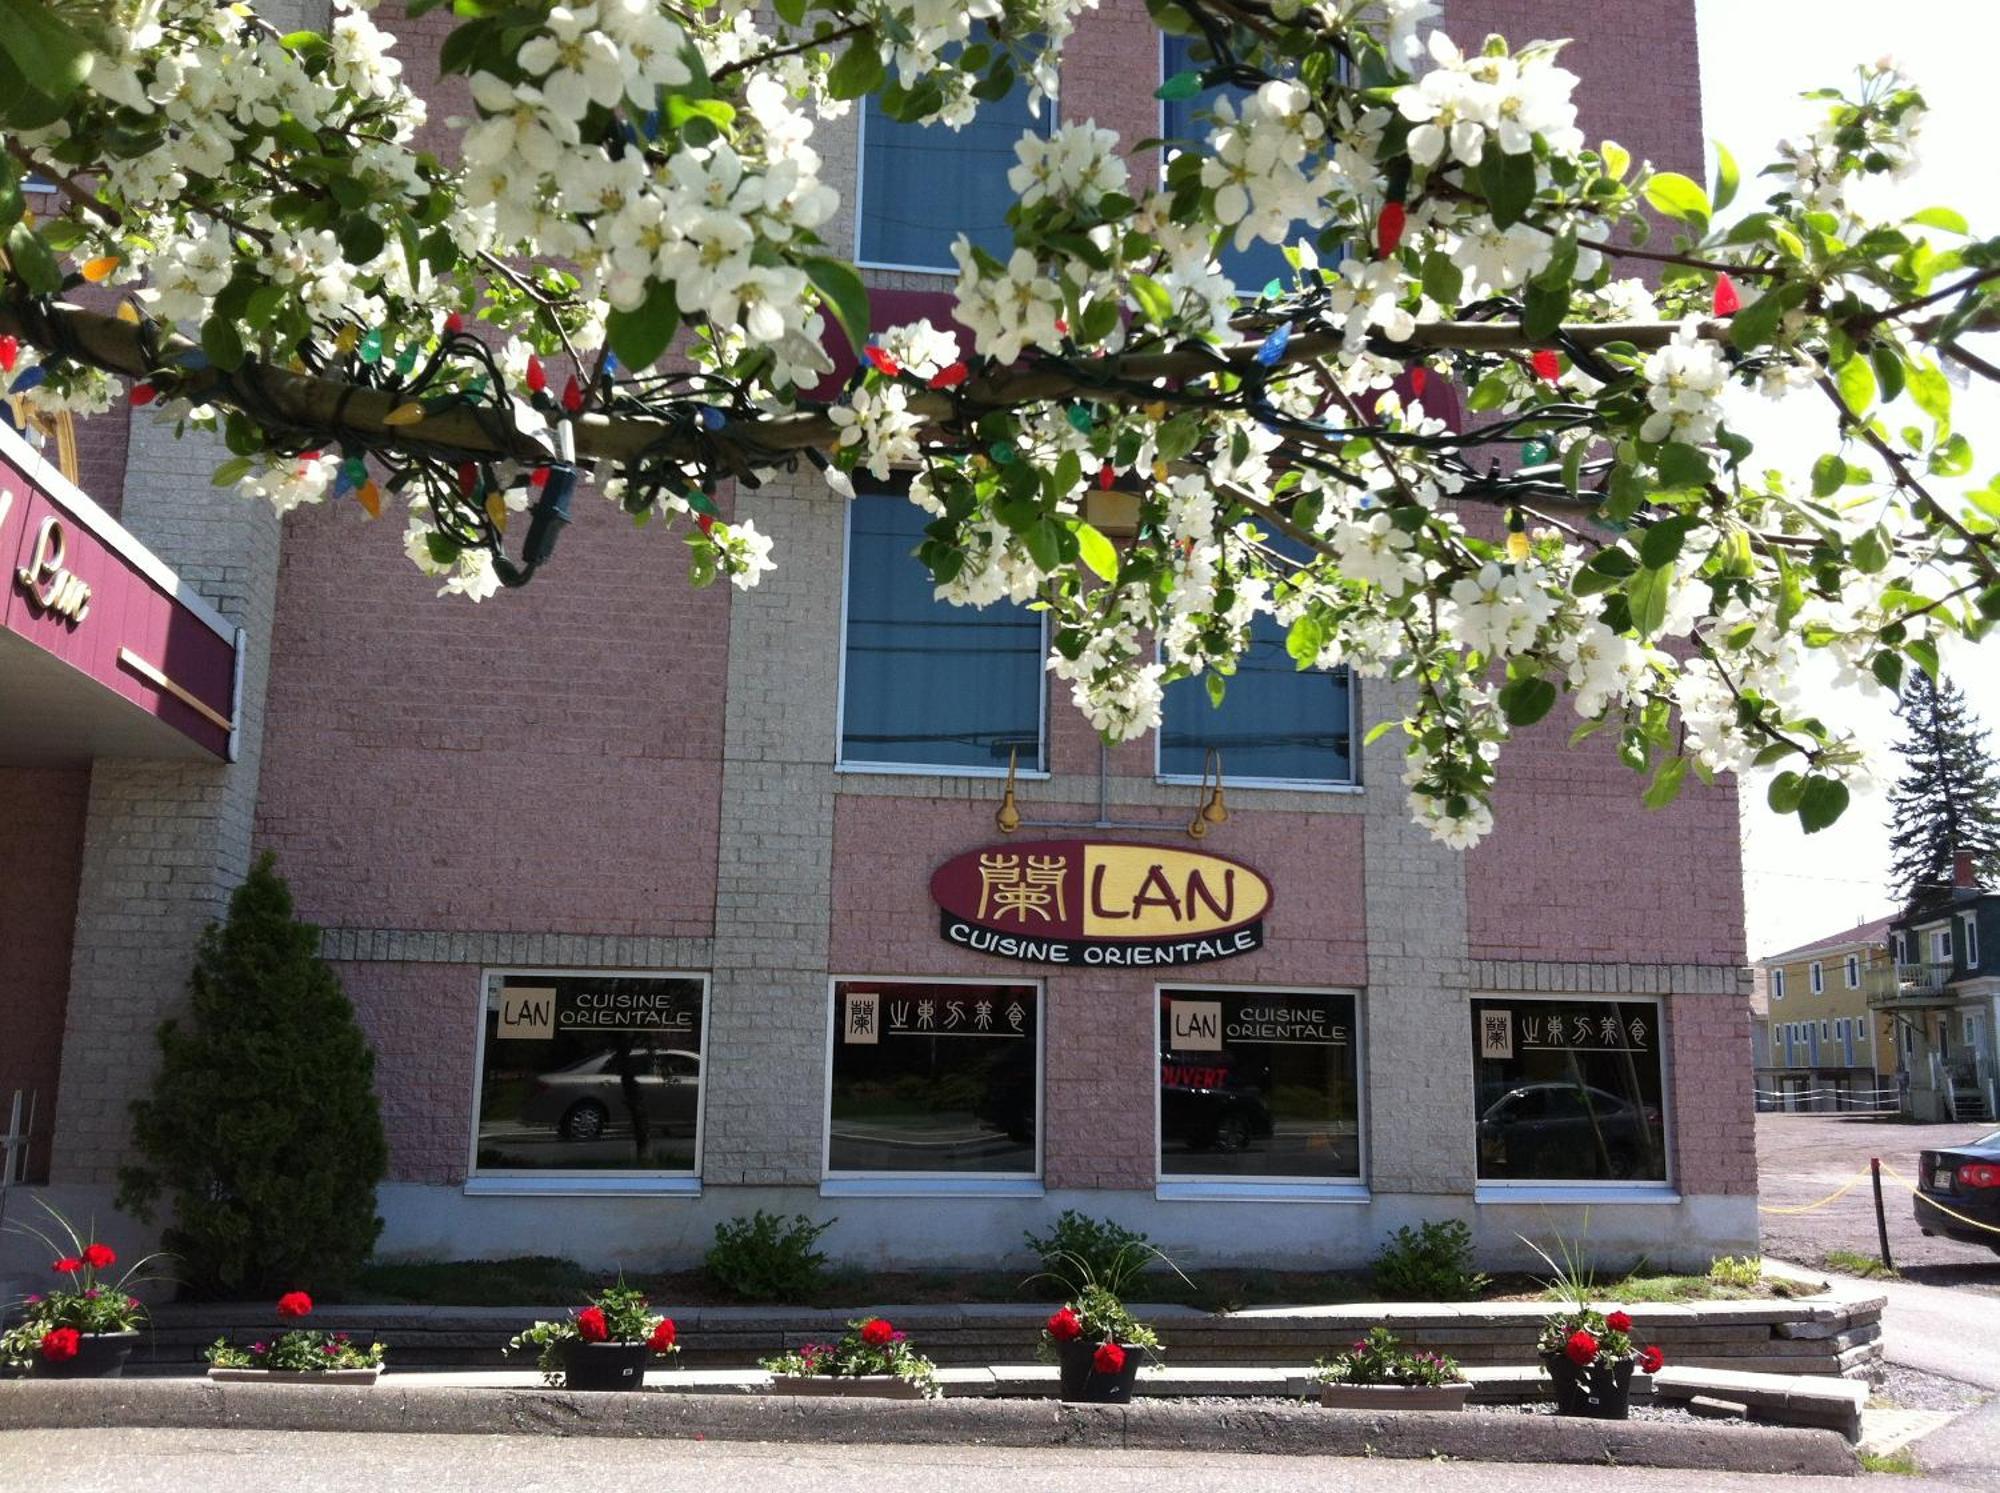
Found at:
<point>929,684</point>
<point>1569,1090</point>
<point>1249,269</point>
<point>934,1079</point>
<point>1274,722</point>
<point>1262,1084</point>
<point>923,185</point>
<point>594,1073</point>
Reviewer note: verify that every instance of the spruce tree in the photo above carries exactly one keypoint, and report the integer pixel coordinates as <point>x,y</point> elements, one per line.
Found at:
<point>1948,799</point>
<point>262,1132</point>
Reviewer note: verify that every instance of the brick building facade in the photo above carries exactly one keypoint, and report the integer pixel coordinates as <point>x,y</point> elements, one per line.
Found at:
<point>609,777</point>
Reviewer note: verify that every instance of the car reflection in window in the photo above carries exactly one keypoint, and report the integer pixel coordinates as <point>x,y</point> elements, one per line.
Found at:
<point>624,1093</point>
<point>1544,1130</point>
<point>1206,1105</point>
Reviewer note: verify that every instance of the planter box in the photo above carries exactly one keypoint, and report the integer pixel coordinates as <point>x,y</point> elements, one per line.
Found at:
<point>1394,1396</point>
<point>1082,1384</point>
<point>875,1386</point>
<point>296,1376</point>
<point>99,1355</point>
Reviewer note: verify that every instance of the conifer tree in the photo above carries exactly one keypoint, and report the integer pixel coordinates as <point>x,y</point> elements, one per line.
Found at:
<point>1948,799</point>
<point>262,1133</point>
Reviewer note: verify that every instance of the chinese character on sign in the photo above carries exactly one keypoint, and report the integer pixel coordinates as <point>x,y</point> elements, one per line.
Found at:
<point>1579,1030</point>
<point>1638,1030</point>
<point>1016,1014</point>
<point>1496,1034</point>
<point>1531,1031</point>
<point>1611,1032</point>
<point>899,1015</point>
<point>1020,886</point>
<point>926,1009</point>
<point>982,1015</point>
<point>863,1012</point>
<point>954,1014</point>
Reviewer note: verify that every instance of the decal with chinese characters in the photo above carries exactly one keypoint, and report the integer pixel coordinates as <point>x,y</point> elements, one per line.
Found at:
<point>1093,902</point>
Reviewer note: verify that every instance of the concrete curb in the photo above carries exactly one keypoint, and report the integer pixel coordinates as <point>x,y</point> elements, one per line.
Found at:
<point>1289,1430</point>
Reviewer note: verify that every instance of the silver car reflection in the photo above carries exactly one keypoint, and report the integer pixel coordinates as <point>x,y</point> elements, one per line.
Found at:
<point>581,1102</point>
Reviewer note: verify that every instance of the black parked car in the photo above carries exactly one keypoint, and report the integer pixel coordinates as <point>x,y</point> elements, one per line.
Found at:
<point>1547,1130</point>
<point>1966,1180</point>
<point>1205,1108</point>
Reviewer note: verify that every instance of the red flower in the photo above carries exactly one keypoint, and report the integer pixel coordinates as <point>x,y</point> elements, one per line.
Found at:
<point>61,1344</point>
<point>1727,301</point>
<point>950,376</point>
<point>98,1256</point>
<point>67,1265</point>
<point>1108,1359</point>
<point>876,1332</point>
<point>1618,1322</point>
<point>1389,228</point>
<point>1580,1348</point>
<point>295,1304</point>
<point>591,1326</point>
<point>882,360</point>
<point>1547,369</point>
<point>663,1336</point>
<point>1650,1359</point>
<point>1064,1326</point>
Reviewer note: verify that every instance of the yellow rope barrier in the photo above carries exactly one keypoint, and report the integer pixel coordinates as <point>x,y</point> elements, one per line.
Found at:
<point>1858,1178</point>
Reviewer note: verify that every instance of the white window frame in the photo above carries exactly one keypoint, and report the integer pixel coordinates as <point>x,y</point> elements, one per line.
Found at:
<point>1940,941</point>
<point>1179,1188</point>
<point>1969,921</point>
<point>1777,984</point>
<point>935,1184</point>
<point>1036,773</point>
<point>1666,1190</point>
<point>1816,977</point>
<point>547,1181</point>
<point>1899,951</point>
<point>1853,971</point>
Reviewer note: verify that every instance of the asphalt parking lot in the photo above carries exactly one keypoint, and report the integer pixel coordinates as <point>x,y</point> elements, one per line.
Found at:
<point>1803,1157</point>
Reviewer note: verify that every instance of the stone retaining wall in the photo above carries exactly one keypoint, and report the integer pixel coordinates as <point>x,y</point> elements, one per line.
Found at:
<point>1833,1333</point>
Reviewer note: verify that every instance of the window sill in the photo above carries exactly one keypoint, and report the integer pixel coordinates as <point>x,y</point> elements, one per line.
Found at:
<point>918,770</point>
<point>931,1187</point>
<point>582,1186</point>
<point>1537,1193</point>
<point>1260,785</point>
<point>1248,1190</point>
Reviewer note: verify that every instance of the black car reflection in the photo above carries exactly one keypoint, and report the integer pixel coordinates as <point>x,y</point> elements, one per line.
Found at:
<point>1205,1108</point>
<point>1544,1130</point>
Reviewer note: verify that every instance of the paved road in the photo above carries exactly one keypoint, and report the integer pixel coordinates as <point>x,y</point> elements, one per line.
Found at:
<point>265,1462</point>
<point>1801,1158</point>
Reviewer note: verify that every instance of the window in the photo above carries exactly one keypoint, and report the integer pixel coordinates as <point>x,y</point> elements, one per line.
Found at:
<point>1817,978</point>
<point>1825,1032</point>
<point>1777,984</point>
<point>1813,1035</point>
<point>1847,1040</point>
<point>1941,945</point>
<point>926,684</point>
<point>1260,1084</point>
<point>1970,922</point>
<point>1568,1091</point>
<point>935,1079</point>
<point>590,1073</point>
<point>923,185</point>
<point>1900,941</point>
<point>1251,268</point>
<point>1853,971</point>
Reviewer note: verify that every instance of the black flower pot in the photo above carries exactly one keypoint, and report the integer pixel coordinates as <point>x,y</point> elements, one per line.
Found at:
<point>1595,1391</point>
<point>604,1366</point>
<point>99,1355</point>
<point>1083,1384</point>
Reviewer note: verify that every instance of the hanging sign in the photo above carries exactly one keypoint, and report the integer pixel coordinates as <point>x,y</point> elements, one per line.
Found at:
<point>1096,902</point>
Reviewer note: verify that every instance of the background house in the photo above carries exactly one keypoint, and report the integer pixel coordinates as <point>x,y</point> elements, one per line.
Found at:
<point>1943,993</point>
<point>1823,1047</point>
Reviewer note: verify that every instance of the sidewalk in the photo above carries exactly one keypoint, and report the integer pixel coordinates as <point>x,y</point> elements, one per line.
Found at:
<point>1935,1329</point>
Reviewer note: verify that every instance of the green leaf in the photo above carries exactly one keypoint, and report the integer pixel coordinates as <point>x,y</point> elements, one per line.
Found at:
<point>1043,542</point>
<point>1526,700</point>
<point>1727,176</point>
<point>1857,385</point>
<point>845,296</point>
<point>1822,802</point>
<point>1785,791</point>
<point>32,260</point>
<point>1617,159</point>
<point>640,337</point>
<point>1953,458</point>
<point>1828,473</point>
<point>231,471</point>
<point>791,12</point>
<point>1545,310</point>
<point>1152,298</point>
<point>54,54</point>
<point>1305,639</point>
<point>1950,220</point>
<point>1379,730</point>
<point>1662,543</point>
<point>1870,552</point>
<point>1180,87</point>
<point>1095,550</point>
<point>1887,667</point>
<point>1676,196</point>
<point>1682,465</point>
<point>223,343</point>
<point>858,72</point>
<point>1444,281</point>
<point>1647,596</point>
<point>1666,784</point>
<point>681,108</point>
<point>1888,365</point>
<point>1931,392</point>
<point>1509,184</point>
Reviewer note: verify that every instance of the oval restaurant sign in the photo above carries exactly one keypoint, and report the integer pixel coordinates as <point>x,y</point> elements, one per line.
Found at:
<point>1095,902</point>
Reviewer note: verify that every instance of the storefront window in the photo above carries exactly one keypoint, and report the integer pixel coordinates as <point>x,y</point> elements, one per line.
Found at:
<point>1569,1091</point>
<point>1259,1084</point>
<point>590,1073</point>
<point>934,1078</point>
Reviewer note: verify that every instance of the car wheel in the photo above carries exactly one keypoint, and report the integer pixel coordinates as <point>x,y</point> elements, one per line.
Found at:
<point>1232,1133</point>
<point>584,1120</point>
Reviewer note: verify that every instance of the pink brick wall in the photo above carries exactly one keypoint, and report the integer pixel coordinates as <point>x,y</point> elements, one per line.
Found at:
<point>1715,1135</point>
<point>421,1020</point>
<point>41,853</point>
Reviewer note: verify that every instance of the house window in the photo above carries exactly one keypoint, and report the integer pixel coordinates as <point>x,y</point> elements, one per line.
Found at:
<point>1262,1084</point>
<point>923,185</point>
<point>1941,945</point>
<point>935,1079</point>
<point>1777,984</point>
<point>590,1074</point>
<point>925,684</point>
<point>1817,978</point>
<point>1569,1091</point>
<point>1254,266</point>
<point>1853,971</point>
<point>1970,922</point>
<point>1847,1040</point>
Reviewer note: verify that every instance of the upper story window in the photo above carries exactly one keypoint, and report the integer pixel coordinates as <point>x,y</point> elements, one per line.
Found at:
<point>1818,978</point>
<point>1275,725</point>
<point>1853,971</point>
<point>1256,265</point>
<point>1941,945</point>
<point>923,185</point>
<point>1777,984</point>
<point>1970,922</point>
<point>926,685</point>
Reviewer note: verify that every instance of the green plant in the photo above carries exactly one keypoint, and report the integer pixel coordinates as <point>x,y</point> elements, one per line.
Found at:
<point>1852,1262</point>
<point>1381,1358</point>
<point>86,1301</point>
<point>1432,1262</point>
<point>616,1314</point>
<point>302,1350</point>
<point>1902,1462</point>
<point>1079,1250</point>
<point>765,1258</point>
<point>1744,1272</point>
<point>1579,1332</point>
<point>262,1132</point>
<point>1095,1312</point>
<point>870,1346</point>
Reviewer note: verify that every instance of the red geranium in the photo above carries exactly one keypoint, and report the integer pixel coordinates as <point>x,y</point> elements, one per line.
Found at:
<point>1651,1358</point>
<point>663,1336</point>
<point>876,1332</point>
<point>67,1265</point>
<point>60,1344</point>
<point>1108,1359</point>
<point>99,1256</point>
<point>1065,1327</point>
<point>295,1304</point>
<point>1581,1347</point>
<point>1618,1322</point>
<point>591,1326</point>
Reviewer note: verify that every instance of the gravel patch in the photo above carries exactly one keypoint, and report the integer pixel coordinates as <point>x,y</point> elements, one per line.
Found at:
<point>1912,1389</point>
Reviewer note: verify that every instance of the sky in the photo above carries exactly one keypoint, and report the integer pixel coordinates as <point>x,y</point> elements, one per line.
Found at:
<point>1756,58</point>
